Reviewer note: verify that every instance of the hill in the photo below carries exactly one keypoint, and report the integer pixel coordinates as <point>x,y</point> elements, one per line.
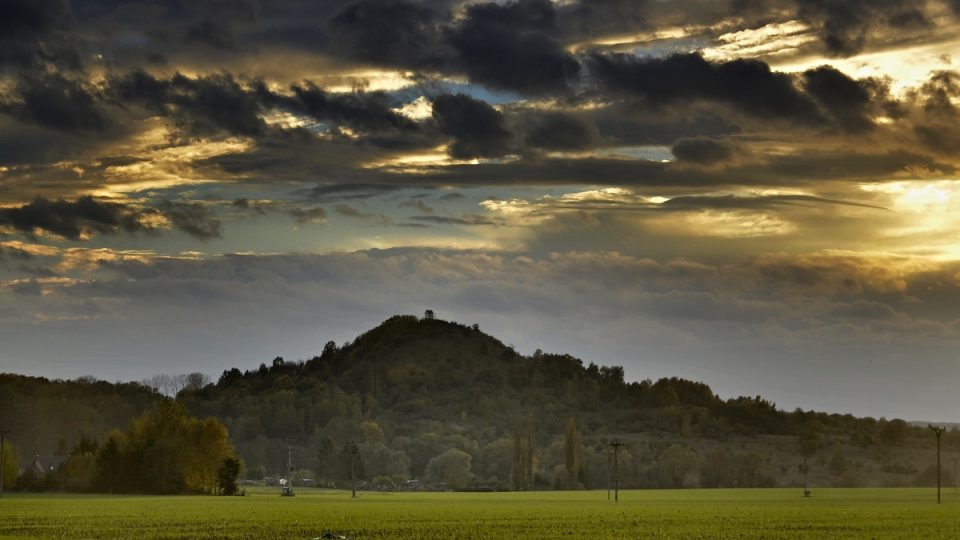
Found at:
<point>413,389</point>
<point>446,403</point>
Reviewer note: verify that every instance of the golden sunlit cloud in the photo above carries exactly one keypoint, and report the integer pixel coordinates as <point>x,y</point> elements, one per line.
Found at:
<point>159,165</point>
<point>90,259</point>
<point>721,224</point>
<point>928,213</point>
<point>630,41</point>
<point>418,162</point>
<point>904,67</point>
<point>37,250</point>
<point>772,39</point>
<point>418,109</point>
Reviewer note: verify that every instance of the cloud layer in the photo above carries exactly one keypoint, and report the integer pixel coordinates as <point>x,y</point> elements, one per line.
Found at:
<point>688,188</point>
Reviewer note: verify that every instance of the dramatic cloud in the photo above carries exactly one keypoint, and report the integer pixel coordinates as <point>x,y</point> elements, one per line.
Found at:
<point>390,33</point>
<point>846,27</point>
<point>747,85</point>
<point>54,101</point>
<point>71,220</point>
<point>555,131</point>
<point>478,129</point>
<point>511,46</point>
<point>192,218</point>
<point>702,150</point>
<point>202,105</point>
<point>688,187</point>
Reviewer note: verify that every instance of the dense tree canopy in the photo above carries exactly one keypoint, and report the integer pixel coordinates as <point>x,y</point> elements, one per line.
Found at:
<point>417,395</point>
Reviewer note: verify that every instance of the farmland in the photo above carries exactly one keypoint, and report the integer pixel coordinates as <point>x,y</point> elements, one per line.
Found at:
<point>756,513</point>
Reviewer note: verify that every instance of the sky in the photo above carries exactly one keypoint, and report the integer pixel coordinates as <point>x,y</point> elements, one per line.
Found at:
<point>756,194</point>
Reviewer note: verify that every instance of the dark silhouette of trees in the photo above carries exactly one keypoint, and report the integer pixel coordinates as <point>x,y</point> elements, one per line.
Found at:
<point>227,475</point>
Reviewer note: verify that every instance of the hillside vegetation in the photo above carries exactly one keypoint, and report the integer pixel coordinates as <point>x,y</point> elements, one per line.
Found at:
<point>416,392</point>
<point>452,406</point>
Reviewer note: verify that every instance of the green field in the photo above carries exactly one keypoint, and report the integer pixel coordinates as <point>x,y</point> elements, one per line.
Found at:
<point>758,513</point>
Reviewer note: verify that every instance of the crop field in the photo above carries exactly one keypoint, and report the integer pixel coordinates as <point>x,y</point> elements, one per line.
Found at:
<point>756,513</point>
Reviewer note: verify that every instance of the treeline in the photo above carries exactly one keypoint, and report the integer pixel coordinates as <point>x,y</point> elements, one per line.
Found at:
<point>445,403</point>
<point>411,390</point>
<point>49,417</point>
<point>165,451</point>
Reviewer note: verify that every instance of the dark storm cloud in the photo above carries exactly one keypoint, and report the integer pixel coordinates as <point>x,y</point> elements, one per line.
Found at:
<point>847,100</point>
<point>212,32</point>
<point>589,18</point>
<point>54,101</point>
<point>558,131</point>
<point>936,126</point>
<point>220,102</point>
<point>702,150</point>
<point>845,27</point>
<point>202,105</point>
<point>936,95</point>
<point>513,46</point>
<point>394,33</point>
<point>623,124</point>
<point>70,220</point>
<point>747,85</point>
<point>192,218</point>
<point>74,220</point>
<point>477,128</point>
<point>366,111</point>
<point>33,34</point>
<point>215,23</point>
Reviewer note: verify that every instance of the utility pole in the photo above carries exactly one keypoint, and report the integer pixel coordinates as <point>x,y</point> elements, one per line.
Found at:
<point>287,490</point>
<point>938,431</point>
<point>609,471</point>
<point>615,445</point>
<point>354,451</point>
<point>3,465</point>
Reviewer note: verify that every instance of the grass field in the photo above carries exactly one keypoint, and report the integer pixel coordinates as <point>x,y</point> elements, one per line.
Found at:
<point>759,513</point>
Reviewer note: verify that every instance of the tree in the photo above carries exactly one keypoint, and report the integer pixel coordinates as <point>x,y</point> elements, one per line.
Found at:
<point>227,475</point>
<point>110,459</point>
<point>451,468</point>
<point>196,381</point>
<point>572,452</point>
<point>673,465</point>
<point>524,453</point>
<point>838,462</point>
<point>164,451</point>
<point>893,432</point>
<point>11,465</point>
<point>79,471</point>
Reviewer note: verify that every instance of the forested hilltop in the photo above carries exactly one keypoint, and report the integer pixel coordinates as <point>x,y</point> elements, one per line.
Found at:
<point>447,404</point>
<point>416,391</point>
